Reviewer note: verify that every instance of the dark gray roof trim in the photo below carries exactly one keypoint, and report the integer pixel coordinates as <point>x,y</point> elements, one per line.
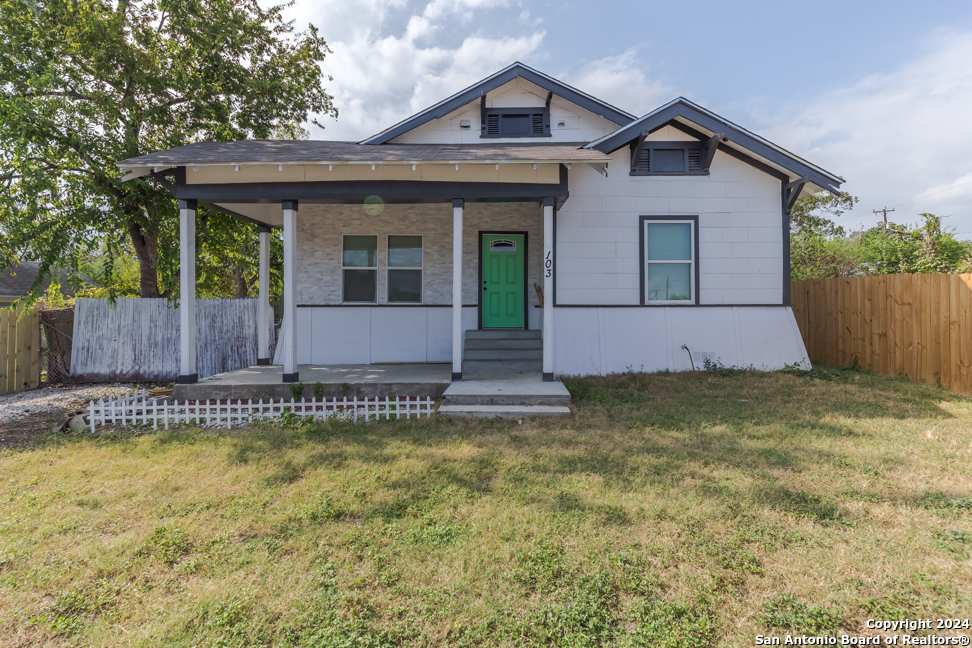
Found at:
<point>473,92</point>
<point>685,109</point>
<point>317,151</point>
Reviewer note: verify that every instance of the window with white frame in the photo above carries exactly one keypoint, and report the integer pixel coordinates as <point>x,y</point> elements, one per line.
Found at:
<point>405,269</point>
<point>669,261</point>
<point>360,265</point>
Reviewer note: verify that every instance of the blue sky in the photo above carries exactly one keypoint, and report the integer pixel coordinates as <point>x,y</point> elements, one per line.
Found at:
<point>878,92</point>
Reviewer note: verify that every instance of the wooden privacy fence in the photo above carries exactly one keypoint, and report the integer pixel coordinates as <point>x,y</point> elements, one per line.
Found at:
<point>139,339</point>
<point>19,350</point>
<point>917,325</point>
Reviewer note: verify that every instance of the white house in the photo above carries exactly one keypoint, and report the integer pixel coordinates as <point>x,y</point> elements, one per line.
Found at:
<point>519,225</point>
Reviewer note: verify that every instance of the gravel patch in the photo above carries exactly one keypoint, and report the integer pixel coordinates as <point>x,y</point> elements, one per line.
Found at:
<point>22,405</point>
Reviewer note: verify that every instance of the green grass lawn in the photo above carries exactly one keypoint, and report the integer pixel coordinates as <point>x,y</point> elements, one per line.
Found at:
<point>668,510</point>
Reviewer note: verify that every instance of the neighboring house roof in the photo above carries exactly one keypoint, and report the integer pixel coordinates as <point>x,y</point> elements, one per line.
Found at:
<point>324,152</point>
<point>474,92</point>
<point>682,110</point>
<point>16,281</point>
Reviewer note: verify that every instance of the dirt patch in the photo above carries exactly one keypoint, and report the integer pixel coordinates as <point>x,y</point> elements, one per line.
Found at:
<point>28,430</point>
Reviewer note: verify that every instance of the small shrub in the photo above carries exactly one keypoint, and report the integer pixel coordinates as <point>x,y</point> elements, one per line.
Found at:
<point>318,390</point>
<point>297,391</point>
<point>345,388</point>
<point>788,613</point>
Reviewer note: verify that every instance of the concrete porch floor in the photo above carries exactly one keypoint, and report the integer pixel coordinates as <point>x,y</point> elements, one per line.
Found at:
<point>338,380</point>
<point>379,380</point>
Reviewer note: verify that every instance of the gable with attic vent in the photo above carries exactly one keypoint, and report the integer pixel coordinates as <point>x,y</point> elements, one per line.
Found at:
<point>514,112</point>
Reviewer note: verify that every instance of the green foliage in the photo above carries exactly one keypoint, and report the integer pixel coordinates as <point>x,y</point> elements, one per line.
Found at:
<point>924,248</point>
<point>167,544</point>
<point>318,390</point>
<point>84,85</point>
<point>788,613</point>
<point>542,569</point>
<point>434,534</point>
<point>297,391</point>
<point>820,249</point>
<point>667,624</point>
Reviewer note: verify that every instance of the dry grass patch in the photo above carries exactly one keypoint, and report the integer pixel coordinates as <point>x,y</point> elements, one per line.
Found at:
<point>669,510</point>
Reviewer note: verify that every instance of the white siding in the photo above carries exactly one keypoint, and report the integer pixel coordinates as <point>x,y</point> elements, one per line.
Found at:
<point>580,125</point>
<point>365,334</point>
<point>611,340</point>
<point>740,230</point>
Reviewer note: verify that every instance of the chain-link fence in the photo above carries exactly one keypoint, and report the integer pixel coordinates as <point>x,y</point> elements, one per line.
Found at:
<point>57,328</point>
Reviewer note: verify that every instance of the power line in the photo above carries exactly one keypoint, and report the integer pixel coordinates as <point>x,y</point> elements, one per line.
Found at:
<point>935,194</point>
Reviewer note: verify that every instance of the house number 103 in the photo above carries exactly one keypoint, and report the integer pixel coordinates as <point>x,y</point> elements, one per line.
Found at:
<point>548,265</point>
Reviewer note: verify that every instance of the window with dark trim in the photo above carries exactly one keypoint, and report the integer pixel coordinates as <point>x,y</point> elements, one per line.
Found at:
<point>405,269</point>
<point>516,122</point>
<point>360,268</point>
<point>669,158</point>
<point>669,258</point>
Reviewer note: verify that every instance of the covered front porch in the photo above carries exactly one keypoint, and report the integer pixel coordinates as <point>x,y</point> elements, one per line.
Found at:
<point>322,195</point>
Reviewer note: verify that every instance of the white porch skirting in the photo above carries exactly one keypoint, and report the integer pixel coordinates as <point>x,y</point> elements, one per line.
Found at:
<point>591,341</point>
<point>366,335</point>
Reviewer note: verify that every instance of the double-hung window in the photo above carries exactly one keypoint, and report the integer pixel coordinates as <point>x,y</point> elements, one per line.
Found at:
<point>669,250</point>
<point>360,265</point>
<point>405,269</point>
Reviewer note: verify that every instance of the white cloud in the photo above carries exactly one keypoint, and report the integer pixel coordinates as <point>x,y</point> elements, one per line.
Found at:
<point>902,139</point>
<point>380,79</point>
<point>620,80</point>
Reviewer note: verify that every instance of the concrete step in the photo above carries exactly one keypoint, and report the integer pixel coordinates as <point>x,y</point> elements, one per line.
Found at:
<point>501,366</point>
<point>507,334</point>
<point>502,411</point>
<point>515,398</point>
<point>503,354</point>
<point>504,343</point>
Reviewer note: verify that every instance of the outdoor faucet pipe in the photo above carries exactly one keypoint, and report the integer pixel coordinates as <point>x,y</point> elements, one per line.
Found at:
<point>689,355</point>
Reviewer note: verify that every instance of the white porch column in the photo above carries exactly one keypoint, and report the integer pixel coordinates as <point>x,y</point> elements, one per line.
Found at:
<point>289,336</point>
<point>187,292</point>
<point>548,290</point>
<point>263,308</point>
<point>457,206</point>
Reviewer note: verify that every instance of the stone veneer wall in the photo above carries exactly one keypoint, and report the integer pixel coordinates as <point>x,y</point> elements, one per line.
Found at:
<point>320,229</point>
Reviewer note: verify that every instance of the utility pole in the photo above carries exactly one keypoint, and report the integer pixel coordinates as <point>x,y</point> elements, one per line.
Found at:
<point>885,212</point>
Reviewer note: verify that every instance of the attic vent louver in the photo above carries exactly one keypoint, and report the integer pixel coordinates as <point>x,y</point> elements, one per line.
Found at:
<point>667,158</point>
<point>516,122</point>
<point>493,125</point>
<point>694,160</point>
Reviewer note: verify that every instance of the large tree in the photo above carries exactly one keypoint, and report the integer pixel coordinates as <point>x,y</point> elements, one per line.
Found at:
<point>85,83</point>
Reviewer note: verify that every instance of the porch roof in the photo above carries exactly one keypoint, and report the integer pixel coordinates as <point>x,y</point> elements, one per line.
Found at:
<point>246,152</point>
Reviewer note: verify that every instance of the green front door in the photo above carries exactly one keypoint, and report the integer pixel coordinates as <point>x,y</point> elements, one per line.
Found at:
<point>503,267</point>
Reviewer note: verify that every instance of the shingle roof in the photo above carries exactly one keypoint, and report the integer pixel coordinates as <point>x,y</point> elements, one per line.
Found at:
<point>316,151</point>
<point>16,280</point>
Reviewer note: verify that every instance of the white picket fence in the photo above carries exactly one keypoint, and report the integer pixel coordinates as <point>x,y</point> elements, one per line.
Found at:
<point>141,409</point>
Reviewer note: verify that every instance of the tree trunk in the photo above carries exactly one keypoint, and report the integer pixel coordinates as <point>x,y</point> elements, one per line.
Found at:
<point>147,251</point>
<point>242,288</point>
